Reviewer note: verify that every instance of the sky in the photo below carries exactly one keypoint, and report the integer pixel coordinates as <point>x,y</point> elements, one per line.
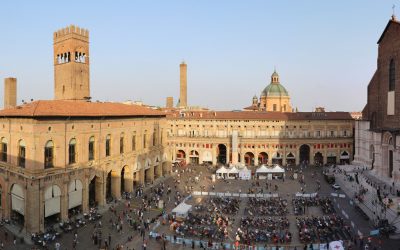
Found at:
<point>324,51</point>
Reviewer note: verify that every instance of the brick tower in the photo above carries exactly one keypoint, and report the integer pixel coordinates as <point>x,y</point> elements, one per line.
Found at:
<point>183,85</point>
<point>71,64</point>
<point>10,92</point>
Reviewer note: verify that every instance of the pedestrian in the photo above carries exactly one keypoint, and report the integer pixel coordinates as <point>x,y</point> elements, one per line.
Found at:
<point>15,240</point>
<point>109,239</point>
<point>144,245</point>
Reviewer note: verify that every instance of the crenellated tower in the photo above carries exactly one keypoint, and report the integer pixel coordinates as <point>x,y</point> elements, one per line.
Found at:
<point>71,64</point>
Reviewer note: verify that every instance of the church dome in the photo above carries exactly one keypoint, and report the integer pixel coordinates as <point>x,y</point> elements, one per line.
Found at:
<point>274,88</point>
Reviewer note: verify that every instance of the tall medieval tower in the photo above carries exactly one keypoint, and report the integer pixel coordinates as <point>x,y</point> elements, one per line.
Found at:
<point>71,64</point>
<point>183,85</point>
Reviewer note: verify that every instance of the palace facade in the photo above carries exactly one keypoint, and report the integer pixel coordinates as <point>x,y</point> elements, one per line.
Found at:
<point>258,137</point>
<point>69,153</point>
<point>377,135</point>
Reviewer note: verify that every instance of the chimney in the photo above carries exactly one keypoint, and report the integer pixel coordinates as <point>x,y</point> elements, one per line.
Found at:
<point>183,85</point>
<point>10,92</point>
<point>170,102</point>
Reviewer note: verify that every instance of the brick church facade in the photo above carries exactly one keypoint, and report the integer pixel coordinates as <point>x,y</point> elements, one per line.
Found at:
<point>377,135</point>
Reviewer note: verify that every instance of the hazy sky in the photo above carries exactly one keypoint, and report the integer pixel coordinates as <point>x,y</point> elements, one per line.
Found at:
<point>324,51</point>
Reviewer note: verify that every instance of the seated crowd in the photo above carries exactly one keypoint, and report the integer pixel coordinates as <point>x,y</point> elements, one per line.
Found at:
<point>300,203</point>
<point>268,230</point>
<point>322,229</point>
<point>266,207</point>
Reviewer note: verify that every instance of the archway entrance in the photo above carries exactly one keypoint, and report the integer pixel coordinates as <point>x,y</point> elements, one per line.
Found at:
<point>93,186</point>
<point>249,159</point>
<point>331,158</point>
<point>136,180</point>
<point>221,154</point>
<point>108,187</point>
<point>52,205</point>
<point>75,188</point>
<point>344,158</point>
<point>164,169</point>
<point>262,158</point>
<point>194,157</point>
<point>148,176</point>
<point>304,154</point>
<point>17,204</point>
<point>277,159</point>
<point>123,180</point>
<point>318,159</point>
<point>290,159</point>
<point>390,163</point>
<point>180,155</point>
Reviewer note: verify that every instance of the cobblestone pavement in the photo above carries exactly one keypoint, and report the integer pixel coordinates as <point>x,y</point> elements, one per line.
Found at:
<point>286,188</point>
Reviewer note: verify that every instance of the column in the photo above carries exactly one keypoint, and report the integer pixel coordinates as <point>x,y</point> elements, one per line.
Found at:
<point>34,209</point>
<point>256,158</point>
<point>115,185</point>
<point>214,155</point>
<point>85,194</point>
<point>141,176</point>
<point>64,201</point>
<point>235,147</point>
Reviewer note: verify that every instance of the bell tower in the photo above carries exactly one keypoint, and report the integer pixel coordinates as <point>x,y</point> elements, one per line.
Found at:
<point>71,64</point>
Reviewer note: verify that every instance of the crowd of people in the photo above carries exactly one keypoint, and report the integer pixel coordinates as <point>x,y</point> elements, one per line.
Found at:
<point>266,230</point>
<point>209,226</point>
<point>267,207</point>
<point>322,229</point>
<point>301,203</point>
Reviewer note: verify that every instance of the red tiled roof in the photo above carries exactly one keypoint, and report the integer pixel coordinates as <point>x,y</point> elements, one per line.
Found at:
<point>61,108</point>
<point>260,115</point>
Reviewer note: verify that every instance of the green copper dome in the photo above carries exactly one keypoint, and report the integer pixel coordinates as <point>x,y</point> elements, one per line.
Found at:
<point>274,88</point>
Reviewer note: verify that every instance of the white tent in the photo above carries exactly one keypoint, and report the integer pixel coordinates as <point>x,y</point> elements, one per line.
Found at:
<point>233,173</point>
<point>222,172</point>
<point>182,210</point>
<point>245,174</point>
<point>262,172</point>
<point>277,169</point>
<point>262,169</point>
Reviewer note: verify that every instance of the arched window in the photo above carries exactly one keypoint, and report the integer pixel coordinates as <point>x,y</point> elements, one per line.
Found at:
<point>108,145</point>
<point>155,137</point>
<point>49,155</point>
<point>4,149</point>
<point>133,142</point>
<point>144,140</point>
<point>121,143</point>
<point>72,151</point>
<point>21,153</point>
<point>91,148</point>
<point>274,107</point>
<point>392,75</point>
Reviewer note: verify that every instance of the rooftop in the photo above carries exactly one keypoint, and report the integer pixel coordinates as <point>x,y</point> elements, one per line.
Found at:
<point>62,108</point>
<point>260,115</point>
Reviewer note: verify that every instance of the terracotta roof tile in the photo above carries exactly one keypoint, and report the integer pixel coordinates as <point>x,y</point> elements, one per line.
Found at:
<point>60,108</point>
